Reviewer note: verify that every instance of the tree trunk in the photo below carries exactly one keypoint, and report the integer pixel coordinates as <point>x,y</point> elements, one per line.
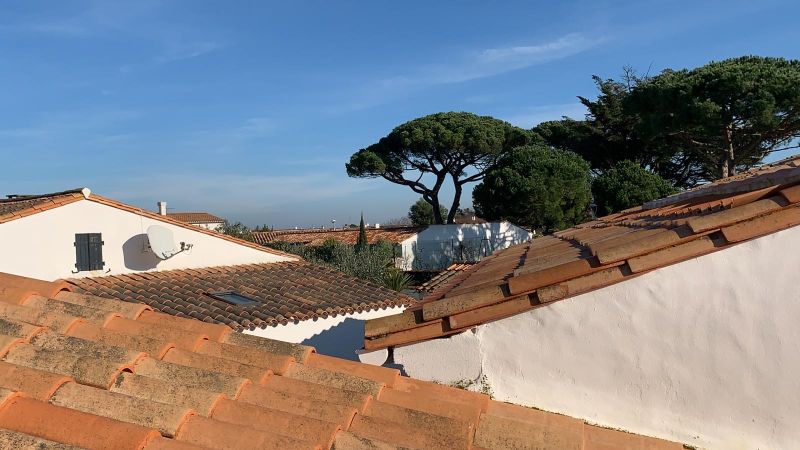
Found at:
<point>456,201</point>
<point>434,198</point>
<point>728,166</point>
<point>437,212</point>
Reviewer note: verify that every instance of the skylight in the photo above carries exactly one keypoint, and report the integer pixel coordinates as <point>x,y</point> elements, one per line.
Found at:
<point>234,298</point>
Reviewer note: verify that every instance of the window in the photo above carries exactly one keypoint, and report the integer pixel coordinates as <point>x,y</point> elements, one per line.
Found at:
<point>89,251</point>
<point>234,298</point>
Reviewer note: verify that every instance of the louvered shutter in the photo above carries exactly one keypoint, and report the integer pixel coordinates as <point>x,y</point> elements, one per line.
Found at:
<point>89,251</point>
<point>82,252</point>
<point>96,251</point>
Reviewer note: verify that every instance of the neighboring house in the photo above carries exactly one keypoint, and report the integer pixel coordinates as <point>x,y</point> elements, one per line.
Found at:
<point>81,371</point>
<point>439,246</point>
<point>102,245</point>
<point>198,219</point>
<point>677,319</point>
<point>432,248</point>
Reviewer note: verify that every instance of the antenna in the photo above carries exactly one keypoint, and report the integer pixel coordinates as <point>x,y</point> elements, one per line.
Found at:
<point>162,242</point>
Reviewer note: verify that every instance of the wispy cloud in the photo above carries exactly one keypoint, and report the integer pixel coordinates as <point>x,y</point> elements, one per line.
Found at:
<point>176,50</point>
<point>140,20</point>
<point>495,61</point>
<point>478,64</point>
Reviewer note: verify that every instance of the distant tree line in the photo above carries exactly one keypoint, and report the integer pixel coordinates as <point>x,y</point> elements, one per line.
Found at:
<point>643,137</point>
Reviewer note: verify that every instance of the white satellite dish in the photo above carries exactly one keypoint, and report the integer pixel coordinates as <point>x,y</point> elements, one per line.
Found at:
<point>162,242</point>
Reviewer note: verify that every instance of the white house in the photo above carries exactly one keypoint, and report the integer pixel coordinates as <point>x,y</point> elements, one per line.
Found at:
<point>438,246</point>
<point>102,247</point>
<point>432,248</point>
<point>198,219</point>
<point>678,319</point>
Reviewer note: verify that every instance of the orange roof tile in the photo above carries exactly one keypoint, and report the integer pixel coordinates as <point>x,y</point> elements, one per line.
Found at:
<point>284,291</point>
<point>96,385</point>
<point>395,235</point>
<point>195,217</point>
<point>601,252</point>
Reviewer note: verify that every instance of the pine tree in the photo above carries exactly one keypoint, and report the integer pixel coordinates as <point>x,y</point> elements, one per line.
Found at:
<point>361,243</point>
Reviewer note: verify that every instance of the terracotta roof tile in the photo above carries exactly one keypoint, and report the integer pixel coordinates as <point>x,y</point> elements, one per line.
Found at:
<point>107,384</point>
<point>195,217</point>
<point>601,252</point>
<point>284,291</point>
<point>314,237</point>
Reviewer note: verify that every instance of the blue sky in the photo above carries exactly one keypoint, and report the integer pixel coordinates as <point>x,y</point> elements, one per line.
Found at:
<point>250,109</point>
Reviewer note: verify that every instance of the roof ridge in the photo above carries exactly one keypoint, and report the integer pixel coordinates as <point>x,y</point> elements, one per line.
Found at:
<point>22,197</point>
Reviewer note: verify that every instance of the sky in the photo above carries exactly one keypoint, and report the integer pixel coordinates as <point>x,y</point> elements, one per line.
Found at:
<point>250,110</point>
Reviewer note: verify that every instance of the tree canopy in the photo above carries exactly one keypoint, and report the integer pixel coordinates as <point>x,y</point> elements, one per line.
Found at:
<point>606,135</point>
<point>723,117</point>
<point>626,185</point>
<point>456,145</point>
<point>421,213</point>
<point>237,230</point>
<point>536,186</point>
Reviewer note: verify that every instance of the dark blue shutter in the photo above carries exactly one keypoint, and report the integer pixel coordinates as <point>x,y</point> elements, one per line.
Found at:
<point>96,251</point>
<point>89,251</point>
<point>82,252</point>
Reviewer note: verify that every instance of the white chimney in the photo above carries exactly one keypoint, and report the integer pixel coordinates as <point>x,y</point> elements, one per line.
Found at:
<point>162,208</point>
<point>377,225</point>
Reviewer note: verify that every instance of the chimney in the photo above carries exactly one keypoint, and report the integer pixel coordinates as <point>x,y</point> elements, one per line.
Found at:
<point>162,208</point>
<point>377,225</point>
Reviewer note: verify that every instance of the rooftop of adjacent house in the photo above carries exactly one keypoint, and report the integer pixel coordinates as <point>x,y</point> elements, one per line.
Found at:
<point>195,217</point>
<point>263,294</point>
<point>394,235</point>
<point>15,207</point>
<point>602,252</point>
<point>445,277</point>
<point>80,371</point>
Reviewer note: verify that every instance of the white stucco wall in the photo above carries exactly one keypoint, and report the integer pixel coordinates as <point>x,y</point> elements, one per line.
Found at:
<point>42,245</point>
<point>705,352</point>
<point>436,247</point>
<point>339,335</point>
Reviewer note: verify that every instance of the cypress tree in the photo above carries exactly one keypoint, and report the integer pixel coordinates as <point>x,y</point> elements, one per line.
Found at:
<point>361,243</point>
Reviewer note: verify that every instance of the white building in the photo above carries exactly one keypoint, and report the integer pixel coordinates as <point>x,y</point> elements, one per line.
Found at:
<point>431,248</point>
<point>198,219</point>
<point>678,319</point>
<point>438,246</point>
<point>102,246</point>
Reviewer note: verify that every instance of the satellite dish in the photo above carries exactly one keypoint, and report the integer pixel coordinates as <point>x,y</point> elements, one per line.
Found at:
<point>162,242</point>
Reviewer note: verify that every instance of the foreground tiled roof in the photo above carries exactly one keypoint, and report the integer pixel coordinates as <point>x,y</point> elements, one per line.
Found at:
<point>395,235</point>
<point>78,371</point>
<point>16,208</point>
<point>195,217</point>
<point>602,252</point>
<point>286,291</point>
